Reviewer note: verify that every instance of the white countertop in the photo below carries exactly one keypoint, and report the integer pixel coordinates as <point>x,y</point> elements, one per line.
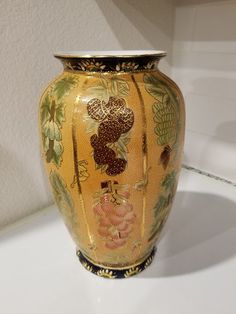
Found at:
<point>194,270</point>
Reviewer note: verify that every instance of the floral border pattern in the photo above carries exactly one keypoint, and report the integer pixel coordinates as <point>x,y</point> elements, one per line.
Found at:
<point>109,273</point>
<point>112,64</point>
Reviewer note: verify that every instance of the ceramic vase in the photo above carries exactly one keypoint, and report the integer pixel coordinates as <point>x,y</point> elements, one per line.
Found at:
<point>112,133</point>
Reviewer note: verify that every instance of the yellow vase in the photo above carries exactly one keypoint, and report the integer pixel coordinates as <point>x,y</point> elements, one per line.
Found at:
<point>112,133</point>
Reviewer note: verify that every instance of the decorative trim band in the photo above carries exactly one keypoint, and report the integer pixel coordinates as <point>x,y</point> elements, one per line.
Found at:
<point>111,64</point>
<point>112,273</point>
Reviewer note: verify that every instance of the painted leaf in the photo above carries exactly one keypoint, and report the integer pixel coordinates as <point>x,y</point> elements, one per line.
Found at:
<point>109,87</point>
<point>158,89</point>
<point>91,124</point>
<point>154,87</point>
<point>45,110</point>
<point>121,145</point>
<point>169,182</point>
<point>165,110</point>
<point>58,148</point>
<point>53,151</point>
<point>166,121</point>
<point>52,118</point>
<point>83,171</point>
<point>83,176</point>
<point>121,150</point>
<point>64,201</point>
<point>45,142</point>
<point>56,159</point>
<point>60,190</point>
<point>119,87</point>
<point>64,85</point>
<point>97,167</point>
<point>125,137</point>
<point>60,114</point>
<point>52,131</point>
<point>82,167</point>
<point>162,206</point>
<point>103,168</point>
<point>98,92</point>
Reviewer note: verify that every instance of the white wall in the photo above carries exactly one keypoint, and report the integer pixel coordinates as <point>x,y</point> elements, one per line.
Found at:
<point>30,31</point>
<point>204,59</point>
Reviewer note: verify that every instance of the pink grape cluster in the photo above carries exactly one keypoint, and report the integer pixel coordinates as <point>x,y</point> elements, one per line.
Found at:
<point>115,220</point>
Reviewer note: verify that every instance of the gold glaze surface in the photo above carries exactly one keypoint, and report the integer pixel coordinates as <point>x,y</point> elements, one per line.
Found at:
<point>112,146</point>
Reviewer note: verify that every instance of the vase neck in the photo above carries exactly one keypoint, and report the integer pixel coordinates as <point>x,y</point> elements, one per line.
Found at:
<point>112,61</point>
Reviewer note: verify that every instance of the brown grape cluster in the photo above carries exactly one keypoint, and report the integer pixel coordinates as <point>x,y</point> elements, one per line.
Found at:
<point>114,119</point>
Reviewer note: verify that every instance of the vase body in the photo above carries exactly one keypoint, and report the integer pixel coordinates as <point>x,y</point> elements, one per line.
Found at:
<point>112,133</point>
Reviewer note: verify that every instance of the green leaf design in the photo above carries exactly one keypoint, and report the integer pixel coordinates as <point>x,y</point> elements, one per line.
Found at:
<point>63,198</point>
<point>91,124</point>
<point>107,87</point>
<point>45,110</point>
<point>97,167</point>
<point>169,181</point>
<point>162,206</point>
<point>119,87</point>
<point>158,89</point>
<point>58,148</point>
<point>60,191</point>
<point>165,117</point>
<point>161,203</point>
<point>64,85</point>
<point>165,110</point>
<point>121,145</point>
<point>52,131</point>
<point>60,114</point>
<point>154,87</point>
<point>56,158</point>
<point>103,168</point>
<point>45,142</point>
<point>52,117</point>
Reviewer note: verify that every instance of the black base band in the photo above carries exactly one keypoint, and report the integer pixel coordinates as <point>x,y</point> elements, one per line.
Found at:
<point>115,273</point>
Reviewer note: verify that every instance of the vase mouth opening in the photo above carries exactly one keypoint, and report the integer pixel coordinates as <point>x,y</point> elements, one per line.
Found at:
<point>109,54</point>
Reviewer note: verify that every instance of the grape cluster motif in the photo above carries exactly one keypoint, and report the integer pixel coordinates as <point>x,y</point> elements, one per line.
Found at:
<point>116,218</point>
<point>114,119</point>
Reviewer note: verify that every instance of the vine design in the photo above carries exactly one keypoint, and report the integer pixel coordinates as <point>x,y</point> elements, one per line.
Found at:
<point>52,116</point>
<point>163,204</point>
<point>82,171</point>
<point>64,200</point>
<point>106,87</point>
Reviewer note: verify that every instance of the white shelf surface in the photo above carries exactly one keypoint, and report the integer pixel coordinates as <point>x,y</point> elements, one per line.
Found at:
<point>194,270</point>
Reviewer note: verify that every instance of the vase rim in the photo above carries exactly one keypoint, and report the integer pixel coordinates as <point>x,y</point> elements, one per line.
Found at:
<point>110,54</point>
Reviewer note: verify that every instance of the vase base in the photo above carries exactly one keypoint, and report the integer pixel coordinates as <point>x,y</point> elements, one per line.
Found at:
<point>116,273</point>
